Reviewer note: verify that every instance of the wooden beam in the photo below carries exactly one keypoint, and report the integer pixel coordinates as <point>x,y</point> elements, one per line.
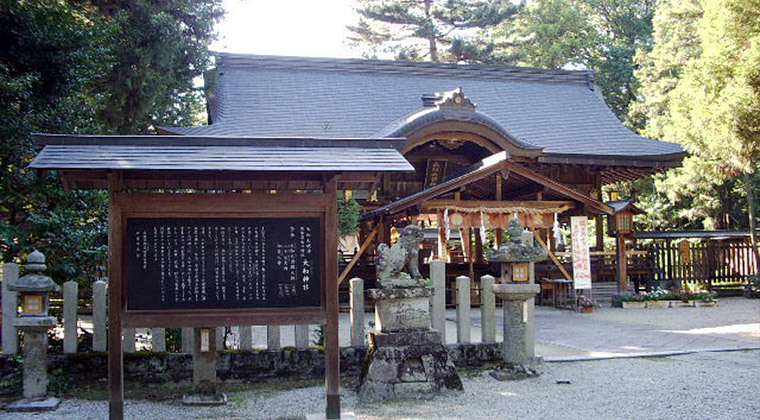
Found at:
<point>358,255</point>
<point>442,204</point>
<point>553,258</point>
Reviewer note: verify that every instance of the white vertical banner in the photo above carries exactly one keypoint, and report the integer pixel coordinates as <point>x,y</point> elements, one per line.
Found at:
<point>581,258</point>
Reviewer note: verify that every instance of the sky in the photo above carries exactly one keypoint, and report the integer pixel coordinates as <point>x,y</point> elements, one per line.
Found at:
<point>312,28</point>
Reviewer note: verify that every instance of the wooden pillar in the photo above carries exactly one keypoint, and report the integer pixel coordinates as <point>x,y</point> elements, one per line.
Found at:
<point>443,252</point>
<point>332,346</point>
<point>115,304</point>
<point>478,258</point>
<point>599,233</point>
<point>622,264</point>
<point>499,188</point>
<point>465,237</point>
<point>384,231</point>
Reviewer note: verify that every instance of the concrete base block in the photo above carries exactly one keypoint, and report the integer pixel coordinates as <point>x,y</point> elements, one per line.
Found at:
<point>344,415</point>
<point>204,400</point>
<point>46,404</point>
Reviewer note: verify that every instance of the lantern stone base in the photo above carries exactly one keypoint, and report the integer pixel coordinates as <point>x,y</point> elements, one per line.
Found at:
<point>405,358</point>
<point>37,404</point>
<point>518,347</point>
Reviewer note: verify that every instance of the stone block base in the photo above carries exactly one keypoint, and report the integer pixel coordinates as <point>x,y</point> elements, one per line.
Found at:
<point>204,400</point>
<point>45,404</point>
<point>509,372</point>
<point>402,309</point>
<point>344,415</point>
<point>407,365</point>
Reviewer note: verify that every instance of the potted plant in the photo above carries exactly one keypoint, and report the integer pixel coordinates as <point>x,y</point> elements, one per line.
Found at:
<point>586,304</point>
<point>658,298</point>
<point>633,301</point>
<point>705,299</point>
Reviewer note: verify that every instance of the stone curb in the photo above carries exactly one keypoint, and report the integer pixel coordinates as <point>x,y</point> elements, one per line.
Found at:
<point>567,359</point>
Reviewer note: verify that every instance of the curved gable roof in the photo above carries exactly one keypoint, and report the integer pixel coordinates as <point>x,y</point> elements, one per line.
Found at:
<point>554,110</point>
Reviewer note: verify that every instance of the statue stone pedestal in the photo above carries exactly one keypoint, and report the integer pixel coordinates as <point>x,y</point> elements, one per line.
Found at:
<point>405,358</point>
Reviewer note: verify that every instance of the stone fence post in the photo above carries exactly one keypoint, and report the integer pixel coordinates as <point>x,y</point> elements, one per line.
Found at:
<point>357,312</point>
<point>158,340</point>
<point>246,337</point>
<point>99,317</point>
<point>220,338</point>
<point>10,333</point>
<point>187,337</point>
<point>273,337</point>
<point>438,307</point>
<point>463,309</point>
<point>130,335</point>
<point>70,303</point>
<point>487,309</point>
<point>301,332</point>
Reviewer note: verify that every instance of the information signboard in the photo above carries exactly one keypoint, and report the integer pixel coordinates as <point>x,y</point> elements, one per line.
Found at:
<point>222,263</point>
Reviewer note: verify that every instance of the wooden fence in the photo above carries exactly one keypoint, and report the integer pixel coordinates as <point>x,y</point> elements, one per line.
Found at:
<point>711,265</point>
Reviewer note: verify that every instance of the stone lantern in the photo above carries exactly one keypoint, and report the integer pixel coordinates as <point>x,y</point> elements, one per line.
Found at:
<point>34,295</point>
<point>517,289</point>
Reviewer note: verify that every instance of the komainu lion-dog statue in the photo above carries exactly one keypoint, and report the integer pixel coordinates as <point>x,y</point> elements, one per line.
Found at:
<point>392,261</point>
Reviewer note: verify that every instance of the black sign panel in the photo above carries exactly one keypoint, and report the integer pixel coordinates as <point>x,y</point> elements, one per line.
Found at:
<point>222,263</point>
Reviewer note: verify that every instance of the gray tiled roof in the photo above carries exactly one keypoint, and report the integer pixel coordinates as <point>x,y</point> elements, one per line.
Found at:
<point>556,110</point>
<point>220,158</point>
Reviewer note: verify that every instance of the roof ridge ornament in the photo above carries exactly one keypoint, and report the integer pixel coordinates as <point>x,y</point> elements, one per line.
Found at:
<point>453,99</point>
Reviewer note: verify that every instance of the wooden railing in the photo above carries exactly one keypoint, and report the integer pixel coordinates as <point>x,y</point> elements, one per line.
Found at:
<point>711,265</point>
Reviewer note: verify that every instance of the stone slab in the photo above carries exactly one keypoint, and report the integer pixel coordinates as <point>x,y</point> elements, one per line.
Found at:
<point>41,323</point>
<point>421,390</point>
<point>517,292</point>
<point>344,415</point>
<point>204,400</point>
<point>31,405</point>
<point>402,314</point>
<point>400,293</point>
<point>381,339</point>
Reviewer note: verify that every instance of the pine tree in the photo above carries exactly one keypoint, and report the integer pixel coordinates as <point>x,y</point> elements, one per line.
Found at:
<point>426,29</point>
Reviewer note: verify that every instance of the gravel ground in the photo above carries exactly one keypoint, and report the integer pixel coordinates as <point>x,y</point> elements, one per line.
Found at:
<point>697,386</point>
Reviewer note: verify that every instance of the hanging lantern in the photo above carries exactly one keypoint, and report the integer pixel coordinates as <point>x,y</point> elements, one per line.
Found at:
<point>621,222</point>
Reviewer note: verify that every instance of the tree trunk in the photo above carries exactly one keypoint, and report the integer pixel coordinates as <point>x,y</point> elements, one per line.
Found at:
<point>433,45</point>
<point>752,212</point>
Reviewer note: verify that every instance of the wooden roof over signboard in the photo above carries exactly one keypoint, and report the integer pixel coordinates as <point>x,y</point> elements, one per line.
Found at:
<point>216,163</point>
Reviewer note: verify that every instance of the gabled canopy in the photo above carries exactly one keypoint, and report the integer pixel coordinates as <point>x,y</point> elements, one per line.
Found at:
<point>473,177</point>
